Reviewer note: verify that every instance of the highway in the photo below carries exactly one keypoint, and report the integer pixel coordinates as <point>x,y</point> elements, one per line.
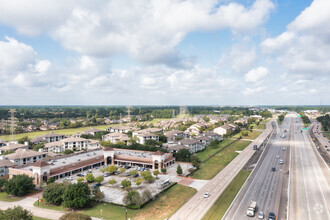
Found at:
<point>309,195</point>
<point>197,206</point>
<point>265,186</point>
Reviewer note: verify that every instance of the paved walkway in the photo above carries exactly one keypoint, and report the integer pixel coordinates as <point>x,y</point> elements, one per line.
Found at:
<point>27,203</point>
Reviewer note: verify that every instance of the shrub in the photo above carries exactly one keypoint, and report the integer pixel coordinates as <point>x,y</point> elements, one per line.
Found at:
<point>80,179</point>
<point>50,180</point>
<point>89,178</point>
<point>16,213</point>
<point>126,184</point>
<point>112,181</point>
<point>164,170</point>
<point>156,173</point>
<point>179,170</point>
<point>68,151</point>
<point>133,198</point>
<point>99,179</point>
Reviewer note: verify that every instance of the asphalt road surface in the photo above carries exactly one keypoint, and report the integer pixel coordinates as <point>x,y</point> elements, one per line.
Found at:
<point>309,195</point>
<point>197,206</point>
<point>265,186</point>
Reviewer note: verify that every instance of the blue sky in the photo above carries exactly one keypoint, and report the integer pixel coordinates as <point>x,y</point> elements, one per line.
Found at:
<point>245,52</point>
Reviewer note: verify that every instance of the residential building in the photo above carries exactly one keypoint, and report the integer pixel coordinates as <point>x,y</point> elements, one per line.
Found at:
<point>193,144</point>
<point>212,135</point>
<point>25,156</point>
<point>92,131</point>
<point>142,137</point>
<point>116,137</point>
<point>50,137</point>
<point>74,144</point>
<point>13,146</point>
<point>4,165</point>
<point>119,129</point>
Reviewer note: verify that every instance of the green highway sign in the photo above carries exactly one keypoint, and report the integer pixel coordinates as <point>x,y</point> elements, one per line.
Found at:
<point>299,116</point>
<point>304,129</point>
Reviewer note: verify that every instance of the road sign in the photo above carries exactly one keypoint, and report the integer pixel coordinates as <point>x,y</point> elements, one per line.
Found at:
<point>299,116</point>
<point>304,129</point>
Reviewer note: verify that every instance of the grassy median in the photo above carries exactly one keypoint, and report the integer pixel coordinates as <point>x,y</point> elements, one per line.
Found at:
<point>221,205</point>
<point>214,165</point>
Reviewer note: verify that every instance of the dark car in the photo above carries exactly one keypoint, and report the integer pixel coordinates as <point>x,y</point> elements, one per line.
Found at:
<point>273,169</point>
<point>80,175</point>
<point>136,175</point>
<point>106,174</point>
<point>271,216</point>
<point>96,185</point>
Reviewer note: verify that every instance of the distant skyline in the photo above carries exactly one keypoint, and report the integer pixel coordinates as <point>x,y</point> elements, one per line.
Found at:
<point>206,52</point>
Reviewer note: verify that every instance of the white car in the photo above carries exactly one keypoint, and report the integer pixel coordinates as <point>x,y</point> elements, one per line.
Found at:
<point>280,162</point>
<point>69,178</point>
<point>207,195</point>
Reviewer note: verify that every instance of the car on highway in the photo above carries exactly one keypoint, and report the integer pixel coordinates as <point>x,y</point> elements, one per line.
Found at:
<point>261,215</point>
<point>271,216</point>
<point>283,148</point>
<point>280,162</point>
<point>207,195</point>
<point>273,169</point>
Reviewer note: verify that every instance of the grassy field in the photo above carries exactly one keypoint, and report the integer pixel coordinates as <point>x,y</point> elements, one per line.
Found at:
<point>221,205</point>
<point>213,166</point>
<point>209,151</point>
<point>260,126</point>
<point>39,218</point>
<point>68,131</point>
<point>167,204</point>
<point>4,197</point>
<point>252,135</point>
<point>161,208</point>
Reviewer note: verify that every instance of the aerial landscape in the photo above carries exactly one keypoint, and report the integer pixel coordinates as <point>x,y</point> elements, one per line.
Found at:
<point>165,110</point>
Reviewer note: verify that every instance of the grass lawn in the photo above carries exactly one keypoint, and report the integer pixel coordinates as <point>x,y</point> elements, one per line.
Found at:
<point>213,166</point>
<point>39,218</point>
<point>252,135</point>
<point>163,207</point>
<point>45,206</point>
<point>4,197</point>
<point>223,202</point>
<point>209,151</point>
<point>167,204</point>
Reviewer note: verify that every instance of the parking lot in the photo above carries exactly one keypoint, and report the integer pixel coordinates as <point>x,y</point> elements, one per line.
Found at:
<point>115,194</point>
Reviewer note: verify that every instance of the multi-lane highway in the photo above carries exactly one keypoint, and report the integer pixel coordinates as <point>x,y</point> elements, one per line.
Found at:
<point>309,178</point>
<point>197,206</point>
<point>264,185</point>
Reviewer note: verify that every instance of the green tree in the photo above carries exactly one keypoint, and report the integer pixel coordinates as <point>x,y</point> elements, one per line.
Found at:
<point>138,181</point>
<point>111,169</point>
<point>182,155</point>
<point>179,170</point>
<point>146,195</point>
<point>244,133</point>
<point>147,176</point>
<point>133,172</point>
<point>38,146</point>
<point>76,195</point>
<point>133,198</point>
<point>54,192</point>
<point>156,173</point>
<point>2,184</point>
<point>122,170</point>
<point>195,160</point>
<point>16,213</point>
<point>50,180</point>
<point>81,179</point>
<point>68,151</point>
<point>90,178</point>
<point>75,216</point>
<point>126,184</point>
<point>99,179</point>
<point>112,181</point>
<point>19,185</point>
<point>164,170</point>
<point>23,139</point>
<point>97,194</point>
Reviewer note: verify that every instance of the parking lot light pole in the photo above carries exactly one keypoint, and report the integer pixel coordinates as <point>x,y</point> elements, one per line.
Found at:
<point>126,214</point>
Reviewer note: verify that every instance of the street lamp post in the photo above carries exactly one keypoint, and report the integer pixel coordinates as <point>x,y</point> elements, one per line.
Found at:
<point>126,214</point>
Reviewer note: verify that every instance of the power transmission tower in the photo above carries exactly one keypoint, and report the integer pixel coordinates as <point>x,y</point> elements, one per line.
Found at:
<point>173,115</point>
<point>12,123</point>
<point>129,112</point>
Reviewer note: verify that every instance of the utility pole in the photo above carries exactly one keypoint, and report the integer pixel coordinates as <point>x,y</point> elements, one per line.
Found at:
<point>12,123</point>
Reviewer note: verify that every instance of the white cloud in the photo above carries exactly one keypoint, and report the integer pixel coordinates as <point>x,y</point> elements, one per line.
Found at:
<point>148,31</point>
<point>256,75</point>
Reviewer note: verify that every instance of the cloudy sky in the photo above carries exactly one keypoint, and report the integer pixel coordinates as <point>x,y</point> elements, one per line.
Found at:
<point>118,52</point>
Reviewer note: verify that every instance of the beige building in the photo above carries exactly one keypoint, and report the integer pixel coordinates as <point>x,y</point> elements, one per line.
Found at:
<point>74,144</point>
<point>25,156</point>
<point>50,137</point>
<point>13,147</point>
<point>116,137</point>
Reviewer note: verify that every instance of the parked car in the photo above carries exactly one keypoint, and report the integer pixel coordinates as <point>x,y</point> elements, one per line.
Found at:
<point>69,178</point>
<point>106,174</point>
<point>271,216</point>
<point>96,185</point>
<point>261,215</point>
<point>127,174</point>
<point>207,195</point>
<point>135,175</point>
<point>80,174</point>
